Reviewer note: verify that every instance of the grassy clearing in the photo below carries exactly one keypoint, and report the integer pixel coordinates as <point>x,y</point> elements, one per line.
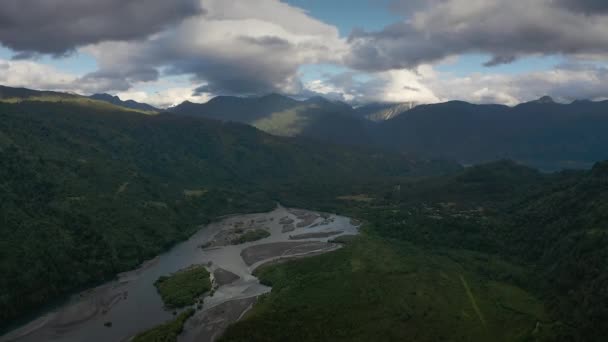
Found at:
<point>287,123</point>
<point>403,293</point>
<point>251,235</point>
<point>195,193</point>
<point>167,332</point>
<point>356,198</point>
<point>184,287</point>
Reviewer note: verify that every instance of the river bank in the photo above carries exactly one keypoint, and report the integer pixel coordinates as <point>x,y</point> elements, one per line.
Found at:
<point>131,304</point>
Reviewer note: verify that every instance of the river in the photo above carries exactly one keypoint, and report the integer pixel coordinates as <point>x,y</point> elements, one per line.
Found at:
<point>132,305</point>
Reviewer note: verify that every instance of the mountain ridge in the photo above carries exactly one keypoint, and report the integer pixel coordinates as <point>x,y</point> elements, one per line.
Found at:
<point>115,100</point>
<point>317,118</point>
<point>542,133</point>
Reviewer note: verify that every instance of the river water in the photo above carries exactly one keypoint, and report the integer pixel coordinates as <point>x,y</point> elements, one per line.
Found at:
<point>132,305</point>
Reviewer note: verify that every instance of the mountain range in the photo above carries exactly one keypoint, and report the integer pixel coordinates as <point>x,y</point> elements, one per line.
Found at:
<point>541,133</point>
<point>91,189</point>
<point>115,100</point>
<point>316,118</point>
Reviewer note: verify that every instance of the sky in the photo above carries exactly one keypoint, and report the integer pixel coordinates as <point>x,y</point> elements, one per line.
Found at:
<point>359,51</point>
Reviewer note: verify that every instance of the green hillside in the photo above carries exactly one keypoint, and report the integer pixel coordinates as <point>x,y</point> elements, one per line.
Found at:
<point>497,252</point>
<point>491,252</point>
<point>89,191</point>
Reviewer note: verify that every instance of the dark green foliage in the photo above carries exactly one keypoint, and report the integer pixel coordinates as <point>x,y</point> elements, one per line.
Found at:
<point>88,191</point>
<point>251,235</point>
<point>167,332</point>
<point>375,290</point>
<point>183,287</point>
<point>552,224</point>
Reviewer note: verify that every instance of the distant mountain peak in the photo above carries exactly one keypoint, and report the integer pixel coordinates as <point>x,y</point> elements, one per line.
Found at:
<point>317,99</point>
<point>273,96</point>
<point>600,169</point>
<point>276,98</point>
<point>545,99</point>
<point>104,97</point>
<point>115,100</point>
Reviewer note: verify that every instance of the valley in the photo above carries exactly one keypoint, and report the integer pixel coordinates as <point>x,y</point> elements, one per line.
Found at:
<point>120,309</point>
<point>443,252</point>
<point>303,170</point>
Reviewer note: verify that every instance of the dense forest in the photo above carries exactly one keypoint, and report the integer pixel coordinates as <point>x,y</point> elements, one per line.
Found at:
<point>89,189</point>
<point>553,225</point>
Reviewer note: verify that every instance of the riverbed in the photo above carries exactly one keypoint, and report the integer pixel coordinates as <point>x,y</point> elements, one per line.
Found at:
<point>118,310</point>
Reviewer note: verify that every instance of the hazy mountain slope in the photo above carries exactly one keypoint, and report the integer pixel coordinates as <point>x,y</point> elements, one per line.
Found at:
<point>88,191</point>
<point>383,111</point>
<point>127,104</point>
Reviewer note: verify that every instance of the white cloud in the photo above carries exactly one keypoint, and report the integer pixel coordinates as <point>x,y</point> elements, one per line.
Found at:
<point>387,86</point>
<point>35,75</point>
<point>257,46</point>
<point>427,85</point>
<point>164,98</point>
<point>504,29</point>
<point>564,83</point>
<point>242,47</point>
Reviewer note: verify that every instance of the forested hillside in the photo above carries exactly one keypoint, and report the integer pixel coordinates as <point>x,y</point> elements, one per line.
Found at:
<point>499,223</point>
<point>89,190</point>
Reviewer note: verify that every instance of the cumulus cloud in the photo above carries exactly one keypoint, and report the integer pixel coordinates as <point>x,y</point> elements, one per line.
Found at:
<point>504,29</point>
<point>58,26</point>
<point>258,46</point>
<point>35,75</point>
<point>564,83</point>
<point>164,98</point>
<point>388,86</point>
<point>237,47</point>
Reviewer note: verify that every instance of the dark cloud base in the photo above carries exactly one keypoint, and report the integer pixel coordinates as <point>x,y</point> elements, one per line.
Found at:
<point>56,27</point>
